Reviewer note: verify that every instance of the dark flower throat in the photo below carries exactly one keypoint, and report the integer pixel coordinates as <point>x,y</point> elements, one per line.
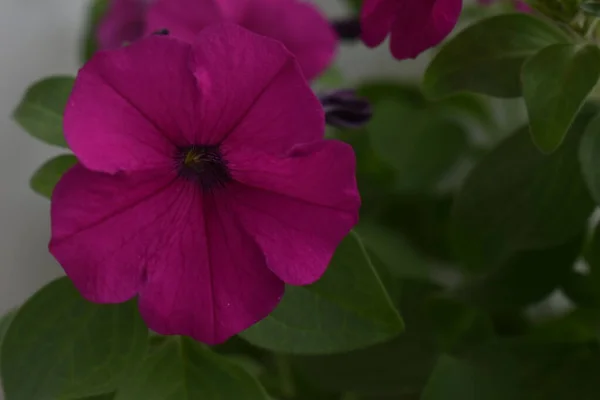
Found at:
<point>204,165</point>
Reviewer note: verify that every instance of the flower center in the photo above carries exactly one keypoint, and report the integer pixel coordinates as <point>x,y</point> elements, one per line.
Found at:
<point>204,165</point>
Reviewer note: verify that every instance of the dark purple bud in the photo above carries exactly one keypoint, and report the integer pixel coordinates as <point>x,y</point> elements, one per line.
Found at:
<point>347,29</point>
<point>344,109</point>
<point>161,32</point>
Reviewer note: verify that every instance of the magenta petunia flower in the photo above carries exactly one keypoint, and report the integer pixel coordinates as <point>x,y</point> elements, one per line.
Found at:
<point>414,25</point>
<point>124,22</point>
<point>519,5</point>
<point>204,182</point>
<point>297,24</point>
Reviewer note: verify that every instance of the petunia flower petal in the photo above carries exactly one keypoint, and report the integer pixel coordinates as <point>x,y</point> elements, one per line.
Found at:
<point>300,26</point>
<point>107,230</point>
<point>286,113</point>
<point>376,19</point>
<point>422,24</point>
<point>214,283</point>
<point>234,67</point>
<point>131,107</point>
<point>298,208</point>
<point>197,272</point>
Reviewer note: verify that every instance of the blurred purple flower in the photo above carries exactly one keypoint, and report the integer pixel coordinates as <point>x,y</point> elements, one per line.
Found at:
<point>123,22</point>
<point>299,25</point>
<point>414,25</point>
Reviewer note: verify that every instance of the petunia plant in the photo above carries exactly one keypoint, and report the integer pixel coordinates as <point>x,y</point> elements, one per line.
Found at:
<point>236,220</point>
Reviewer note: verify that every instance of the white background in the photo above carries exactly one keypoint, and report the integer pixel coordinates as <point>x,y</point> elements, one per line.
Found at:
<point>40,38</point>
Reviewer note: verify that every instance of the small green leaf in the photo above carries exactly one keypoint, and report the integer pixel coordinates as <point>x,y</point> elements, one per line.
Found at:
<point>487,56</point>
<point>556,82</point>
<point>518,199</point>
<point>591,7</point>
<point>96,11</point>
<point>420,145</point>
<point>184,369</point>
<point>348,308</point>
<point>41,110</point>
<point>47,176</point>
<point>62,346</point>
<point>589,156</point>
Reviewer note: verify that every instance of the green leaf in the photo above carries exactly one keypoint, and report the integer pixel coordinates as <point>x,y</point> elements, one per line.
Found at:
<point>393,250</point>
<point>556,82</point>
<point>183,369</point>
<point>420,146</point>
<point>5,322</point>
<point>390,89</point>
<point>96,11</point>
<point>518,199</point>
<point>457,326</point>
<point>578,326</point>
<point>41,110</point>
<point>47,176</point>
<point>487,56</point>
<point>565,12</point>
<point>519,369</point>
<point>249,364</point>
<point>454,378</point>
<point>348,308</point>
<point>62,346</point>
<point>399,366</point>
<point>465,107</point>
<point>423,220</point>
<point>525,278</point>
<point>589,156</point>
<point>591,7</point>
<point>553,370</point>
<point>376,179</point>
